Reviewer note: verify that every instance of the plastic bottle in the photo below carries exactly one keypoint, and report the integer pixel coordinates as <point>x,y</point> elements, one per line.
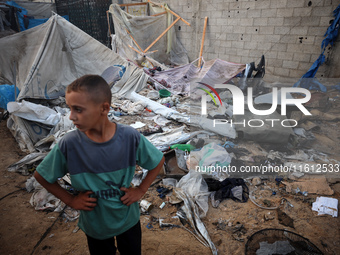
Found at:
<point>118,113</point>
<point>183,147</point>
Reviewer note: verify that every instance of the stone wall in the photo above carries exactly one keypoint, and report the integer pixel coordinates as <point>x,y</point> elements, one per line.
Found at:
<point>288,32</point>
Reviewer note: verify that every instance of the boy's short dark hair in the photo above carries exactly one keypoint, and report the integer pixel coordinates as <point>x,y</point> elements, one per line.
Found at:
<point>94,85</point>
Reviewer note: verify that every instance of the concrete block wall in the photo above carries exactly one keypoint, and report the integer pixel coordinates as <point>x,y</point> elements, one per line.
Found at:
<point>288,32</point>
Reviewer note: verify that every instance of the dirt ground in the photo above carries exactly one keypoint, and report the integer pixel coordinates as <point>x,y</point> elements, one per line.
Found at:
<point>26,231</point>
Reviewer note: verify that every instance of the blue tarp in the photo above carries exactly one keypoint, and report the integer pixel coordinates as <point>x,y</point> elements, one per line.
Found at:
<point>32,22</point>
<point>7,95</point>
<point>331,35</point>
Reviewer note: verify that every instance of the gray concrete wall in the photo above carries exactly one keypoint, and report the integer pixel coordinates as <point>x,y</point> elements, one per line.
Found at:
<point>288,32</point>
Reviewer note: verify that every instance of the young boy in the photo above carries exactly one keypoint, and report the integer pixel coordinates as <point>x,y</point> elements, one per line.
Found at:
<point>101,157</point>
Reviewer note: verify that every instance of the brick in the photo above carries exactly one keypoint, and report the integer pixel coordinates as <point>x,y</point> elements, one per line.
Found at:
<point>260,21</point>
<point>222,6</point>
<point>311,21</point>
<point>280,47</point>
<point>304,66</point>
<point>221,21</point>
<point>324,21</point>
<point>227,29</point>
<point>242,52</point>
<point>317,31</point>
<point>247,22</point>
<point>233,22</point>
<point>268,30</point>
<point>271,54</point>
<point>263,4</point>
<point>272,38</point>
<point>222,36</point>
<point>278,4</point>
<point>215,29</point>
<point>237,44</point>
<point>281,30</point>
<point>255,54</point>
<point>250,45</point>
<point>301,57</point>
<point>288,38</point>
<point>268,13</point>
<point>233,37</point>
<point>264,46</point>
<point>290,64</point>
<point>235,59</point>
<point>281,71</point>
<point>226,44</point>
<point>310,48</point>
<point>234,6</point>
<point>275,21</point>
<point>248,5</point>
<point>252,30</point>
<point>292,21</point>
<point>258,38</point>
<point>240,29</point>
<point>294,73</point>
<point>246,59</point>
<point>285,55</point>
<point>295,47</point>
<point>322,11</point>
<point>274,62</point>
<point>241,14</point>
<point>306,40</point>
<point>254,13</point>
<point>301,31</point>
<point>246,38</point>
<point>295,3</point>
<point>288,12</point>
<point>302,12</point>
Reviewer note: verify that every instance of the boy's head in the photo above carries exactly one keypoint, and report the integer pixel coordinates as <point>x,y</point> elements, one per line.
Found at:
<point>89,99</point>
<point>94,86</point>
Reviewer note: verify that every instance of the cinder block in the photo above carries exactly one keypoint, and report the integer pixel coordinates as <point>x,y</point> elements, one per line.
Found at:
<point>263,4</point>
<point>252,30</point>
<point>258,38</point>
<point>304,66</point>
<point>241,14</point>
<point>288,38</point>
<point>250,45</point>
<point>292,21</point>
<point>255,54</point>
<point>260,22</point>
<point>234,6</point>
<point>317,31</point>
<point>275,21</point>
<point>247,59</point>
<point>294,73</point>
<point>254,13</point>
<point>302,12</point>
<point>271,54</point>
<point>295,47</point>
<point>222,36</point>
<point>247,22</point>
<point>215,29</point>
<point>268,30</point>
<point>301,31</point>
<point>248,5</point>
<point>274,62</point>
<point>278,4</point>
<point>233,37</point>
<point>240,29</point>
<point>221,21</point>
<point>310,48</point>
<point>233,22</point>
<point>272,38</point>
<point>287,12</point>
<point>279,46</point>
<point>290,64</point>
<point>325,11</point>
<point>226,44</point>
<point>313,21</point>
<point>285,55</point>
<point>306,39</point>
<point>268,13</point>
<point>301,57</point>
<point>295,3</point>
<point>237,44</point>
<point>281,30</point>
<point>246,38</point>
<point>235,59</point>
<point>279,71</point>
<point>264,46</point>
<point>242,52</point>
<point>324,21</point>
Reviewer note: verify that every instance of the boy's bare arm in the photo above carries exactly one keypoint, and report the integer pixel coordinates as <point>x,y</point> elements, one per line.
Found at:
<point>80,202</point>
<point>134,194</point>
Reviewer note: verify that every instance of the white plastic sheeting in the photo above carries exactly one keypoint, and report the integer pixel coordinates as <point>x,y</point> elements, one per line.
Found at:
<point>49,57</point>
<point>144,30</point>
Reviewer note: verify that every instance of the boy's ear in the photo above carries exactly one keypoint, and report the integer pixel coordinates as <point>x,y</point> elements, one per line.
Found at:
<point>105,108</point>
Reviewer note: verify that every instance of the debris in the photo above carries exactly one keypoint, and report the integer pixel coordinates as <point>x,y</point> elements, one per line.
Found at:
<point>146,206</point>
<point>317,186</point>
<point>256,181</point>
<point>284,219</point>
<point>326,205</point>
<point>137,125</point>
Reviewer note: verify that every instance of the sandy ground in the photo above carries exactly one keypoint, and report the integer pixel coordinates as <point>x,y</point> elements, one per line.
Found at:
<point>26,231</point>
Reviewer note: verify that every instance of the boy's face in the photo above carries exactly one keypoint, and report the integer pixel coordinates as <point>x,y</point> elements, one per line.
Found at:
<point>85,113</point>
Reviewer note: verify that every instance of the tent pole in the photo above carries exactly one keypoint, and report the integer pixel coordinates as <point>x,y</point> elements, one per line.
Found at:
<point>202,43</point>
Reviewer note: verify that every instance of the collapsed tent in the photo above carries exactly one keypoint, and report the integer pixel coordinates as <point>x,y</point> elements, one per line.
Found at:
<point>44,60</point>
<point>135,33</point>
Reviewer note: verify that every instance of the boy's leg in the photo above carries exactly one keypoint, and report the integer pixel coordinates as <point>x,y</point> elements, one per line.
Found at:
<point>130,242</point>
<point>101,247</point>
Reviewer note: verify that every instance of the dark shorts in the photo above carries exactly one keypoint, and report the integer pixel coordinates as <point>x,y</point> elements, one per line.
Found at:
<point>128,243</point>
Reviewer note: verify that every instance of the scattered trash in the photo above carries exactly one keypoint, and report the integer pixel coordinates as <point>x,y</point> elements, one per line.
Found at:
<point>284,219</point>
<point>137,125</point>
<point>326,205</point>
<point>146,206</point>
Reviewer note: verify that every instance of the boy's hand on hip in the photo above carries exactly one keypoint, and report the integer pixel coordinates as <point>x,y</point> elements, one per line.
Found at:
<point>83,202</point>
<point>132,194</point>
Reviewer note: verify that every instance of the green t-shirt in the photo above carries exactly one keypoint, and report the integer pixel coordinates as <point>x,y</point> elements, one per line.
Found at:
<point>102,168</point>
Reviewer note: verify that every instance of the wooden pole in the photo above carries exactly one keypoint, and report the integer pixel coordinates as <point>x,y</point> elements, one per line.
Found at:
<point>202,43</point>
<point>108,22</point>
<point>158,14</point>
<point>133,39</point>
<point>159,37</point>
<point>132,4</point>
